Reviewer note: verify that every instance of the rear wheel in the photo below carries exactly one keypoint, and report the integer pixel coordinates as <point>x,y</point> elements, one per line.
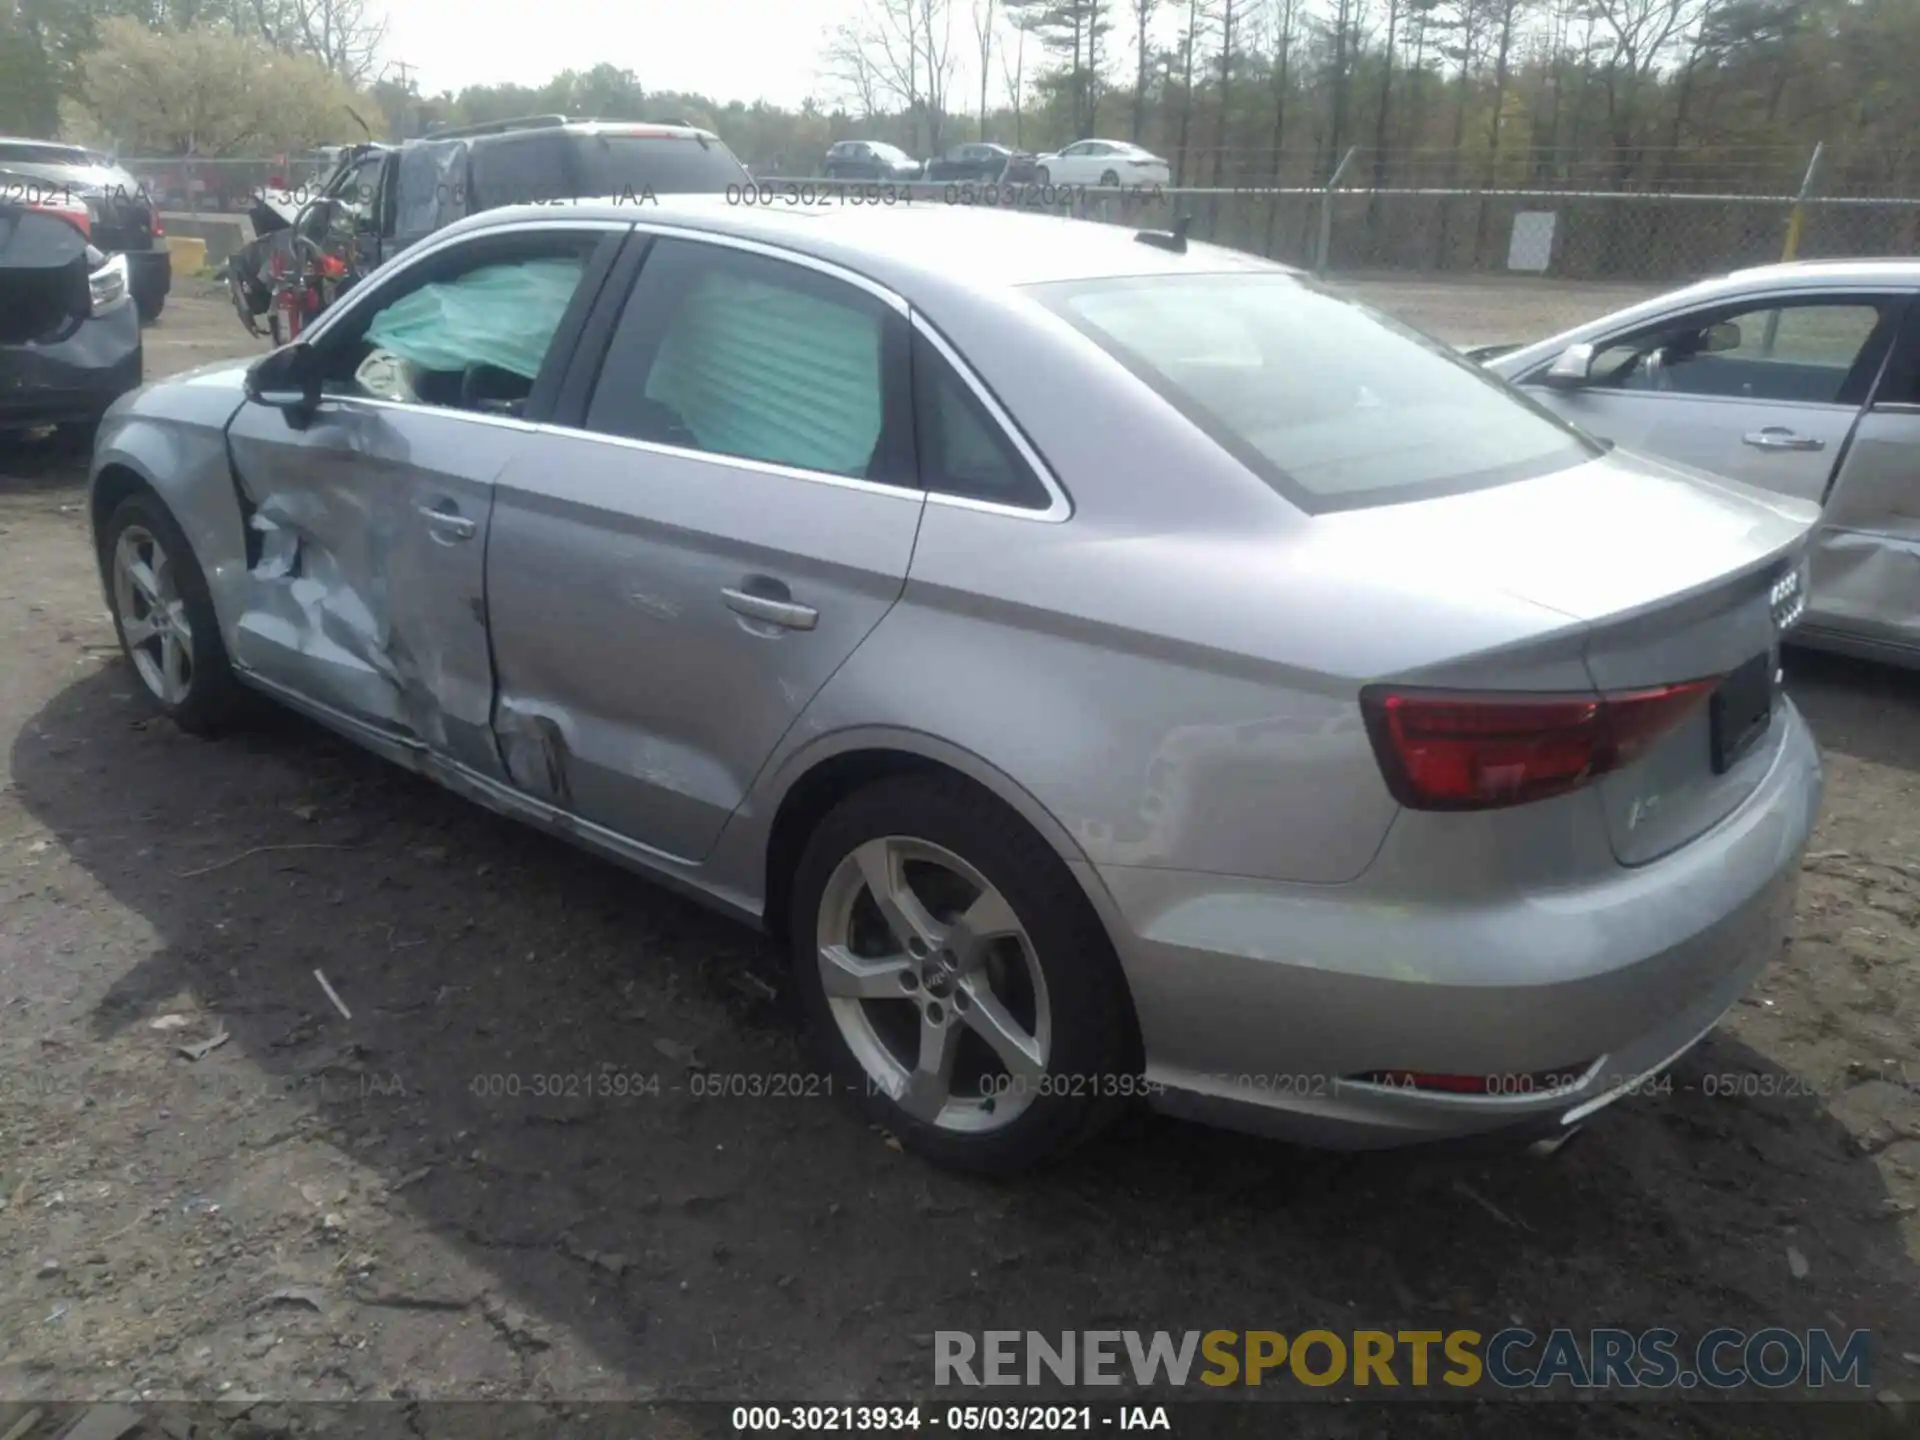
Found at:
<point>956,979</point>
<point>149,307</point>
<point>165,618</point>
<point>1110,179</point>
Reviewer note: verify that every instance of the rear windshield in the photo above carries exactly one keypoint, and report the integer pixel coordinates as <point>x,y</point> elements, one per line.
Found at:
<point>1333,404</point>
<point>667,165</point>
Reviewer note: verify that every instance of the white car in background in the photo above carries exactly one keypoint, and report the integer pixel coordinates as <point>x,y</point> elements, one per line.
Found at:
<point>1803,379</point>
<point>1102,162</point>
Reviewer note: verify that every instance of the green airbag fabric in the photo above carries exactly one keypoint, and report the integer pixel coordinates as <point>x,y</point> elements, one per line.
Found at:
<point>500,315</point>
<point>772,374</point>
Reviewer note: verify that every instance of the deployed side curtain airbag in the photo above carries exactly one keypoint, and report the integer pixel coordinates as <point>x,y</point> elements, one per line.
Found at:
<point>771,374</point>
<point>500,315</point>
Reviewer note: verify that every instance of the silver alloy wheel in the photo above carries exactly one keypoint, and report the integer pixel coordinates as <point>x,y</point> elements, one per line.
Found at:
<point>934,984</point>
<point>152,615</point>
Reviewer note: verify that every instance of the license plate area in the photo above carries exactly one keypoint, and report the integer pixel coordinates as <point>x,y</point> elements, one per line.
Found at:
<point>1740,711</point>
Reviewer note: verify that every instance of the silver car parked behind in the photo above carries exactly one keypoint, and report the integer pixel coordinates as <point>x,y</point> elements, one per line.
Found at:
<point>1111,667</point>
<point>1800,378</point>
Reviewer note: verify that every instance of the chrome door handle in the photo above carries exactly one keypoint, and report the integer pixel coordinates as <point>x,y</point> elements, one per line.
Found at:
<point>784,613</point>
<point>1778,437</point>
<point>457,527</point>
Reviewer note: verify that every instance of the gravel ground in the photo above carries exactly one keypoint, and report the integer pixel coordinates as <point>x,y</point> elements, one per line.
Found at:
<point>324,1208</point>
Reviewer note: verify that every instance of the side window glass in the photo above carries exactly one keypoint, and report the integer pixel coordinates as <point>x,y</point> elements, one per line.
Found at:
<point>963,450</point>
<point>1780,352</point>
<point>741,355</point>
<point>468,336</point>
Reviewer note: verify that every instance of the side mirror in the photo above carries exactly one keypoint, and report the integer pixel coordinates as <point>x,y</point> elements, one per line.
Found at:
<point>1720,338</point>
<point>1571,369</point>
<point>288,379</point>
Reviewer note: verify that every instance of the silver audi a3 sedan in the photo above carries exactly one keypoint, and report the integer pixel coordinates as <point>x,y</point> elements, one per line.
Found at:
<point>1111,667</point>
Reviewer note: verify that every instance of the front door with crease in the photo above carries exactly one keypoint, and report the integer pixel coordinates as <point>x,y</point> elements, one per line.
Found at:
<point>368,513</point>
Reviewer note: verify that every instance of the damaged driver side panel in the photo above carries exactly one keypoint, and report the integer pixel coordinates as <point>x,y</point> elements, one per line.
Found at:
<point>365,590</point>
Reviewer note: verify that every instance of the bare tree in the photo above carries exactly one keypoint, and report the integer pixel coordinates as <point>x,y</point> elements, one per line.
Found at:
<point>898,52</point>
<point>343,35</point>
<point>852,70</point>
<point>1227,18</point>
<point>1143,13</point>
<point>1016,77</point>
<point>983,31</point>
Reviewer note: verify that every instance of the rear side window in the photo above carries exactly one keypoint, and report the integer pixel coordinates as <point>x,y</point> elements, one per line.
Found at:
<point>737,354</point>
<point>963,450</point>
<point>1335,406</point>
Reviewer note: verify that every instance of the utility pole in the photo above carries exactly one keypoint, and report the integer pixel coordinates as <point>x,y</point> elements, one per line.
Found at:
<point>407,112</point>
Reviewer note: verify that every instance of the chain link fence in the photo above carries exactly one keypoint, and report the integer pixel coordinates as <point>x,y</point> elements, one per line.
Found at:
<point>1550,231</point>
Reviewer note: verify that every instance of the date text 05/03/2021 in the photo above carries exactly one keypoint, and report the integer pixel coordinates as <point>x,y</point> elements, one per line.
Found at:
<point>957,1419</point>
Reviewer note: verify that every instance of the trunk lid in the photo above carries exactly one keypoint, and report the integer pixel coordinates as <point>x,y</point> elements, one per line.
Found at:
<point>1672,576</point>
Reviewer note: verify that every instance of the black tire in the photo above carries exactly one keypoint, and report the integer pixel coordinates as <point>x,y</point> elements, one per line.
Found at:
<point>148,307</point>
<point>1092,1027</point>
<point>1110,179</point>
<point>213,698</point>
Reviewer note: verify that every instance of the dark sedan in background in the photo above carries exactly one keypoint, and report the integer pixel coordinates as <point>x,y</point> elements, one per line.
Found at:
<point>69,334</point>
<point>984,161</point>
<point>121,218</point>
<point>868,160</point>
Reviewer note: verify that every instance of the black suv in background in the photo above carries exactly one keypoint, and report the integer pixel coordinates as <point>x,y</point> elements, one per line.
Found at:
<point>121,218</point>
<point>382,198</point>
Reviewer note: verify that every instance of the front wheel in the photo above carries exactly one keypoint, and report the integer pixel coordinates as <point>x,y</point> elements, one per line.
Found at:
<point>165,618</point>
<point>955,978</point>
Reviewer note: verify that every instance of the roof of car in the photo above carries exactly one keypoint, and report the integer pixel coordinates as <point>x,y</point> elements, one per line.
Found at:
<point>915,243</point>
<point>1837,272</point>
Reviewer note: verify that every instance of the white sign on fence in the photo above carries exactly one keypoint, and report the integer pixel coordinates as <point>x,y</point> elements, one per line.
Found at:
<point>1532,245</point>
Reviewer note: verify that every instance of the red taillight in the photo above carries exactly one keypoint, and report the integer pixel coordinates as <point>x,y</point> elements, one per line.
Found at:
<point>153,223</point>
<point>1443,750</point>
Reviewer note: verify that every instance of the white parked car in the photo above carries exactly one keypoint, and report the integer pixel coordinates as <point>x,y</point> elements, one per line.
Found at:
<point>1102,162</point>
<point>1802,379</point>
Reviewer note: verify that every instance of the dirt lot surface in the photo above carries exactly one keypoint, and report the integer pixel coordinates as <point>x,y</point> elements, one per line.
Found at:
<point>334,1208</point>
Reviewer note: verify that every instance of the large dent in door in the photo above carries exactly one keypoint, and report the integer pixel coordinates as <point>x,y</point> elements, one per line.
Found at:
<point>319,603</point>
<point>1867,581</point>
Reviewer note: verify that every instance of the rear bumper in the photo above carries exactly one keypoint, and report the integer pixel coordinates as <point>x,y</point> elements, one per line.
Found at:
<point>1249,1025</point>
<point>75,379</point>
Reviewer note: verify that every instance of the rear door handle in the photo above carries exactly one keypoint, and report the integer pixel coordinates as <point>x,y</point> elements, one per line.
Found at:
<point>784,613</point>
<point>449,523</point>
<point>1778,437</point>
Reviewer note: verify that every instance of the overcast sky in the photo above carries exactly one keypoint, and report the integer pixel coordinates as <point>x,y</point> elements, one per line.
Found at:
<point>727,49</point>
